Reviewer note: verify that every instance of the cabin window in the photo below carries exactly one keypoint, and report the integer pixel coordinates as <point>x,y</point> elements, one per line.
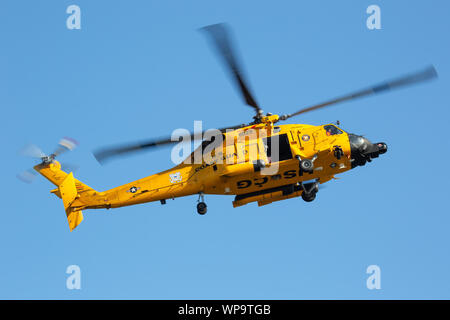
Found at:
<point>284,147</point>
<point>332,130</point>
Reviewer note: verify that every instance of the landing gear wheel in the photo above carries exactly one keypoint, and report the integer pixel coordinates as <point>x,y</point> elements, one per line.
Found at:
<point>308,196</point>
<point>309,191</point>
<point>201,208</point>
<point>307,165</point>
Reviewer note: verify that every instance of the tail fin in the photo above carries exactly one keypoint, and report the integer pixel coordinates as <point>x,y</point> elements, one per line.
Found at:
<point>69,190</point>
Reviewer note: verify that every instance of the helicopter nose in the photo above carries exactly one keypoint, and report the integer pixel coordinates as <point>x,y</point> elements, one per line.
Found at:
<point>382,147</point>
<point>363,151</point>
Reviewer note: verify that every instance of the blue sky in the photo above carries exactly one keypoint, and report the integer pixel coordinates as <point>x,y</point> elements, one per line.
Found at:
<point>140,69</point>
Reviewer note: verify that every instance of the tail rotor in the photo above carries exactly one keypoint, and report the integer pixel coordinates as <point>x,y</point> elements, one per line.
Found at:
<point>33,151</point>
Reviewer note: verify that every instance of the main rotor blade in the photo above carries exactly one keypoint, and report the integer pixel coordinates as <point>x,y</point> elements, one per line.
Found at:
<point>69,167</point>
<point>104,154</point>
<point>424,75</point>
<point>221,38</point>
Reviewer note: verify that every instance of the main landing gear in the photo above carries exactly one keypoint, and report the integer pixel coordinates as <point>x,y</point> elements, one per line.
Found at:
<point>201,205</point>
<point>309,191</point>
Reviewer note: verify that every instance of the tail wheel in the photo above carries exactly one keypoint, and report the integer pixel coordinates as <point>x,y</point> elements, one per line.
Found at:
<point>201,208</point>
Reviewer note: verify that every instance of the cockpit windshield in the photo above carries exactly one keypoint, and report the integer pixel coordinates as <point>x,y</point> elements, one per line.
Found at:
<point>332,130</point>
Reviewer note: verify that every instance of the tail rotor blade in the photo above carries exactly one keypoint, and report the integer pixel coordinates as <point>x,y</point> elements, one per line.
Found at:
<point>65,144</point>
<point>32,151</point>
<point>27,176</point>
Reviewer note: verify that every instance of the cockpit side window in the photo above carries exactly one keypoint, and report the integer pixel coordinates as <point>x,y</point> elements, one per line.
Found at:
<point>332,130</point>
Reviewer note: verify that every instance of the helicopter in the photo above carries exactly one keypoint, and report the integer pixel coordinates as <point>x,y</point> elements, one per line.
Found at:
<point>262,161</point>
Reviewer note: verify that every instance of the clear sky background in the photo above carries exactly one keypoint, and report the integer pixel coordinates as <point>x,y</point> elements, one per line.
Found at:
<point>140,69</point>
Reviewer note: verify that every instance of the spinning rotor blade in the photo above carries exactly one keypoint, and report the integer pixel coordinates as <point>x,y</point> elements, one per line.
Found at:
<point>27,176</point>
<point>424,75</point>
<point>64,145</point>
<point>220,36</point>
<point>69,167</point>
<point>105,154</point>
<point>32,151</point>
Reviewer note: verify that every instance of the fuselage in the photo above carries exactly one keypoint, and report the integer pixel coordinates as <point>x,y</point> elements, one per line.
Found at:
<point>260,163</point>
<point>230,171</point>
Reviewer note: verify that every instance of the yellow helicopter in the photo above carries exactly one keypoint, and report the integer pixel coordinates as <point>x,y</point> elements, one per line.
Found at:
<point>262,161</point>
